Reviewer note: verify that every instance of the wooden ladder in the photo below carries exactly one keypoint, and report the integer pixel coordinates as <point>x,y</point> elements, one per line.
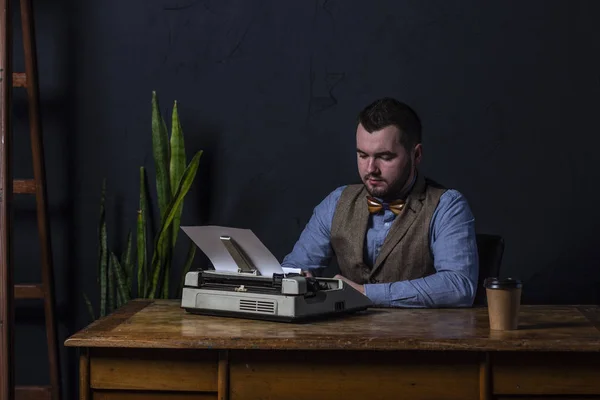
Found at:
<point>37,187</point>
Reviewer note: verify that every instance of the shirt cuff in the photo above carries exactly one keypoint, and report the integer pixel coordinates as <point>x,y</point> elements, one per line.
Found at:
<point>378,293</point>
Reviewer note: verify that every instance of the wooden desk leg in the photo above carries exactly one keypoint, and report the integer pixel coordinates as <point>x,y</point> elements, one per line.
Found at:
<point>485,390</point>
<point>84,374</point>
<point>223,376</point>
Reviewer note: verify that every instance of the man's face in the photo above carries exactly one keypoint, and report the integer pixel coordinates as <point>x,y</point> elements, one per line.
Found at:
<point>384,165</point>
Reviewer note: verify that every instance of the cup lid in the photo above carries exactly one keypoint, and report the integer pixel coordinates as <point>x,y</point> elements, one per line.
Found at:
<point>502,283</point>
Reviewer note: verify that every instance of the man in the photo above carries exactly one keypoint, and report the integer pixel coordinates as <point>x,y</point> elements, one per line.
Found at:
<point>399,238</point>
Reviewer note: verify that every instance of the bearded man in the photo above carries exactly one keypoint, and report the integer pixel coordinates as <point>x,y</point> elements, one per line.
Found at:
<point>400,238</point>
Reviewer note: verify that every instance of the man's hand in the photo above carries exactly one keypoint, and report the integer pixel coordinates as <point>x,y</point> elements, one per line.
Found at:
<point>355,285</point>
<point>307,274</point>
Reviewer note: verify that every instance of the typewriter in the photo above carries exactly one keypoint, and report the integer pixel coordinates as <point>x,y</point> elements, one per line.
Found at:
<point>285,297</point>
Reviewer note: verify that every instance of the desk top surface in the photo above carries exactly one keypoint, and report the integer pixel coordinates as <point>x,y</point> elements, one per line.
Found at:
<point>163,324</point>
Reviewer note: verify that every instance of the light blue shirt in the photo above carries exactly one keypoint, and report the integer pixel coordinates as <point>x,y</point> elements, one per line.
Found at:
<point>452,242</point>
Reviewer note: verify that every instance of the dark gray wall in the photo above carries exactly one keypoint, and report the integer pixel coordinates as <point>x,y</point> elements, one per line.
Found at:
<point>507,91</point>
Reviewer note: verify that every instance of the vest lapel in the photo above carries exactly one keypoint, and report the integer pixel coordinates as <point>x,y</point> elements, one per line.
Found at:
<point>363,222</point>
<point>402,223</point>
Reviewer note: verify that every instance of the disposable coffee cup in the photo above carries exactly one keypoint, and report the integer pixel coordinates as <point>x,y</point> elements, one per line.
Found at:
<point>504,301</point>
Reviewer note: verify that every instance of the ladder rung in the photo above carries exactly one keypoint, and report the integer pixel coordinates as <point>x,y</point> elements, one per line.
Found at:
<point>29,291</point>
<point>24,186</point>
<point>33,393</point>
<point>19,79</point>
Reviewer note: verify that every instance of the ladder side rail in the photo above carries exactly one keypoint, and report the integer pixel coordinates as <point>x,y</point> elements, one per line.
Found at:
<point>6,278</point>
<point>37,150</point>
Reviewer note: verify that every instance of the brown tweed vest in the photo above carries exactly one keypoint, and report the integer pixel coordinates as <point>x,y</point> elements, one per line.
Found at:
<point>405,253</point>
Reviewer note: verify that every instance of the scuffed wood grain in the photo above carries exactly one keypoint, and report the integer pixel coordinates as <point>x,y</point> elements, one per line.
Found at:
<point>163,324</point>
<point>592,313</point>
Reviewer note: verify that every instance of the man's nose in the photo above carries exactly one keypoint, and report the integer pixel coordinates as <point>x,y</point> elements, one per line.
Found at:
<point>372,166</point>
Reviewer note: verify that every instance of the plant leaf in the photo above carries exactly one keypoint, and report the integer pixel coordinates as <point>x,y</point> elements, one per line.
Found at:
<point>177,165</point>
<point>119,299</point>
<point>141,259</point>
<point>142,253</point>
<point>160,150</point>
<point>111,287</point>
<point>103,250</point>
<point>90,309</point>
<point>127,264</point>
<point>164,232</point>
<point>167,273</point>
<point>121,283</point>
<point>188,264</point>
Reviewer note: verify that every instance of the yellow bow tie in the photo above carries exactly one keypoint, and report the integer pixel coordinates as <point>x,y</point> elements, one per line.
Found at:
<point>375,205</point>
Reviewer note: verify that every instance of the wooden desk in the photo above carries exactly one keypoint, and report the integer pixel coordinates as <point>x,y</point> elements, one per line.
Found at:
<point>155,350</point>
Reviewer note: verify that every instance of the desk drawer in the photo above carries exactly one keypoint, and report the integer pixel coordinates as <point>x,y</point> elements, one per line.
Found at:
<point>154,369</point>
<point>546,373</point>
<point>347,375</point>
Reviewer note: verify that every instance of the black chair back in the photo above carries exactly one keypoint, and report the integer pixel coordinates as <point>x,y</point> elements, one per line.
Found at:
<point>490,249</point>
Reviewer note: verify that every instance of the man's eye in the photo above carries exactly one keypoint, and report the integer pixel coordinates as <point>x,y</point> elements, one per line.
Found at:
<point>362,155</point>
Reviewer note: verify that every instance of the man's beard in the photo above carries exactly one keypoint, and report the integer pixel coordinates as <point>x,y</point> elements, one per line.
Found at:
<point>394,190</point>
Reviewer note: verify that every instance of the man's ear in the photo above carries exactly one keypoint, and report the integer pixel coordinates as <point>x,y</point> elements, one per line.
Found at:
<point>418,153</point>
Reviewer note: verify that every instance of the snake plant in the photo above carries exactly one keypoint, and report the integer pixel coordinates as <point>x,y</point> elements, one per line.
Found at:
<point>133,276</point>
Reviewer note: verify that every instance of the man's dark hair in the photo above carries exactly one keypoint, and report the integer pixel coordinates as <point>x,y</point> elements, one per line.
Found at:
<point>387,111</point>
